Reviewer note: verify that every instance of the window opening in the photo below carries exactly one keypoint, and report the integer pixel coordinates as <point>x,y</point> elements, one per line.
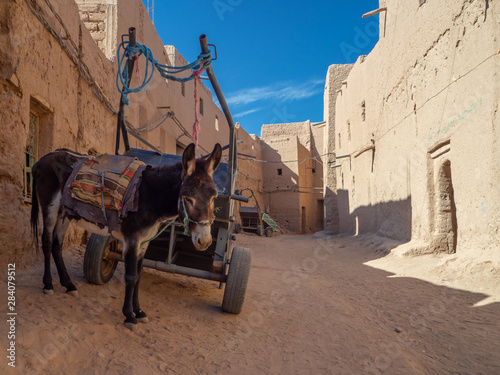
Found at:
<point>201,106</point>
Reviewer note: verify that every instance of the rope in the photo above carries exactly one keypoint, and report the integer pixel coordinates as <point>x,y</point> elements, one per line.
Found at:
<point>137,69</point>
<point>155,124</point>
<point>247,176</point>
<point>77,59</point>
<point>166,71</point>
<point>167,224</point>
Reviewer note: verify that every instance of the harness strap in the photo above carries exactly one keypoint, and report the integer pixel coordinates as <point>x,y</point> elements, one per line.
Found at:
<point>103,188</point>
<point>187,219</point>
<point>171,221</point>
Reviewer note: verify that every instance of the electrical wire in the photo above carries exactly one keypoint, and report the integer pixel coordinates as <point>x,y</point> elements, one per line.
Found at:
<point>287,161</point>
<point>428,100</point>
<point>76,58</point>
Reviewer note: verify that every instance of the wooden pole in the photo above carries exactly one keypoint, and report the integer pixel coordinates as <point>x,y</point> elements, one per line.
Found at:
<point>373,12</point>
<point>364,149</point>
<point>120,125</point>
<point>233,161</point>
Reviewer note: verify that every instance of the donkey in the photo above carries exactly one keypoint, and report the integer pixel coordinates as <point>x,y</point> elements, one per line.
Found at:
<point>185,189</point>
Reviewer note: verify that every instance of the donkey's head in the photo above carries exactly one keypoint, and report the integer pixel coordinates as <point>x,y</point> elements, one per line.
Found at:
<point>197,195</point>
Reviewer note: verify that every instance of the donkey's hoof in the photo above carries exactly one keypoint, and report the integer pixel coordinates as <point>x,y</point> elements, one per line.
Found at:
<point>141,317</point>
<point>48,291</point>
<point>131,323</point>
<point>73,293</point>
<point>131,326</point>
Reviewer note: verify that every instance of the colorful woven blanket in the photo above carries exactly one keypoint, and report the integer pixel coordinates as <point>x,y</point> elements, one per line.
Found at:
<point>104,179</point>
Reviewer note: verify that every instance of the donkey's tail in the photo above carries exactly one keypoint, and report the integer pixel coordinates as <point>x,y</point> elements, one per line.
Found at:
<point>34,213</point>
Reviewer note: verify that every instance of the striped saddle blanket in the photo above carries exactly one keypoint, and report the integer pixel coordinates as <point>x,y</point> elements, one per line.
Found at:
<point>103,180</point>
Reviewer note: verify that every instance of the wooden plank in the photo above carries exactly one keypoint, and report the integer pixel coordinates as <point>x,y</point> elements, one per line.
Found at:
<point>373,12</point>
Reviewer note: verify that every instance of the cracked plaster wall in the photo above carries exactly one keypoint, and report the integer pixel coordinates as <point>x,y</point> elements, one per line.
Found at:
<point>35,69</point>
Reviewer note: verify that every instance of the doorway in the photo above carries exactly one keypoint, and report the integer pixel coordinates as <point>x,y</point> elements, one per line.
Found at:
<point>446,210</point>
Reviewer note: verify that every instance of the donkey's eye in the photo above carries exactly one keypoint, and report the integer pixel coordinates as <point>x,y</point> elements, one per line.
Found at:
<point>189,200</point>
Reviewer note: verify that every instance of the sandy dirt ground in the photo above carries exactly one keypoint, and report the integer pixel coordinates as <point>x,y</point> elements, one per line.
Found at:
<point>314,305</point>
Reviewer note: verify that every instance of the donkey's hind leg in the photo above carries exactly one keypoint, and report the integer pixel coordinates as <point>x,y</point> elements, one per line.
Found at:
<point>49,223</point>
<point>57,241</point>
<point>48,288</point>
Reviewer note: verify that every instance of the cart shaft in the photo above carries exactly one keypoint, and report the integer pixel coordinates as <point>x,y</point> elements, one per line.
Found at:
<point>173,268</point>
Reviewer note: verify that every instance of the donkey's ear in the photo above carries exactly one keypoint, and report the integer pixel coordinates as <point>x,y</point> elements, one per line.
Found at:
<point>188,161</point>
<point>214,159</point>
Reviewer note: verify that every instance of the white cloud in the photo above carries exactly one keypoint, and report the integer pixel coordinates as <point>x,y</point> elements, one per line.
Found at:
<point>282,91</point>
<point>244,113</point>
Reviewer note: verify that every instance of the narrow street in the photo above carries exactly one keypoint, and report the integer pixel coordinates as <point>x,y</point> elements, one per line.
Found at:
<point>312,307</point>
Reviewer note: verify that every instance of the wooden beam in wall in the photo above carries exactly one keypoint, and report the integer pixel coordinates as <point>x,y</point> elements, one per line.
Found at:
<point>373,12</point>
<point>364,149</point>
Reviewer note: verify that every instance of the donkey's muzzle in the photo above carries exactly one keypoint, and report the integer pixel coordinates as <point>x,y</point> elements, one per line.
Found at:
<point>202,237</point>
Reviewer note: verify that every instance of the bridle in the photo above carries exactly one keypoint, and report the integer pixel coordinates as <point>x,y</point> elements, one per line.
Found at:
<point>187,219</point>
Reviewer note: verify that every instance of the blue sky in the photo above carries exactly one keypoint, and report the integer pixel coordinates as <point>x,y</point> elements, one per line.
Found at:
<point>272,55</point>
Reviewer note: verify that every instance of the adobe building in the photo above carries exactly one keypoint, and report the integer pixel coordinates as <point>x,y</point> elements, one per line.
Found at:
<point>418,118</point>
<point>58,89</point>
<point>249,177</point>
<point>293,174</point>
<point>406,129</point>
<point>335,78</point>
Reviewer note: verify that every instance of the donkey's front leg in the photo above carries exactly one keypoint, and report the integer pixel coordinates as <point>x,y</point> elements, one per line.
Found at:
<point>139,314</point>
<point>131,264</point>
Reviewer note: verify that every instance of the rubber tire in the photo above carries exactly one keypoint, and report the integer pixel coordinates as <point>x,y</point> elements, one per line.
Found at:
<point>237,280</point>
<point>269,232</point>
<point>260,230</point>
<point>94,259</point>
<point>237,228</point>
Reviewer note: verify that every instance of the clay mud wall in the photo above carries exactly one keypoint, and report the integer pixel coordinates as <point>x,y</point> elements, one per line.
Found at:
<point>250,173</point>
<point>58,78</point>
<point>419,117</point>
<point>336,74</point>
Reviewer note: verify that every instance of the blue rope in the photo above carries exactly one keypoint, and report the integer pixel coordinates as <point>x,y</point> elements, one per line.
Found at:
<point>166,71</point>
